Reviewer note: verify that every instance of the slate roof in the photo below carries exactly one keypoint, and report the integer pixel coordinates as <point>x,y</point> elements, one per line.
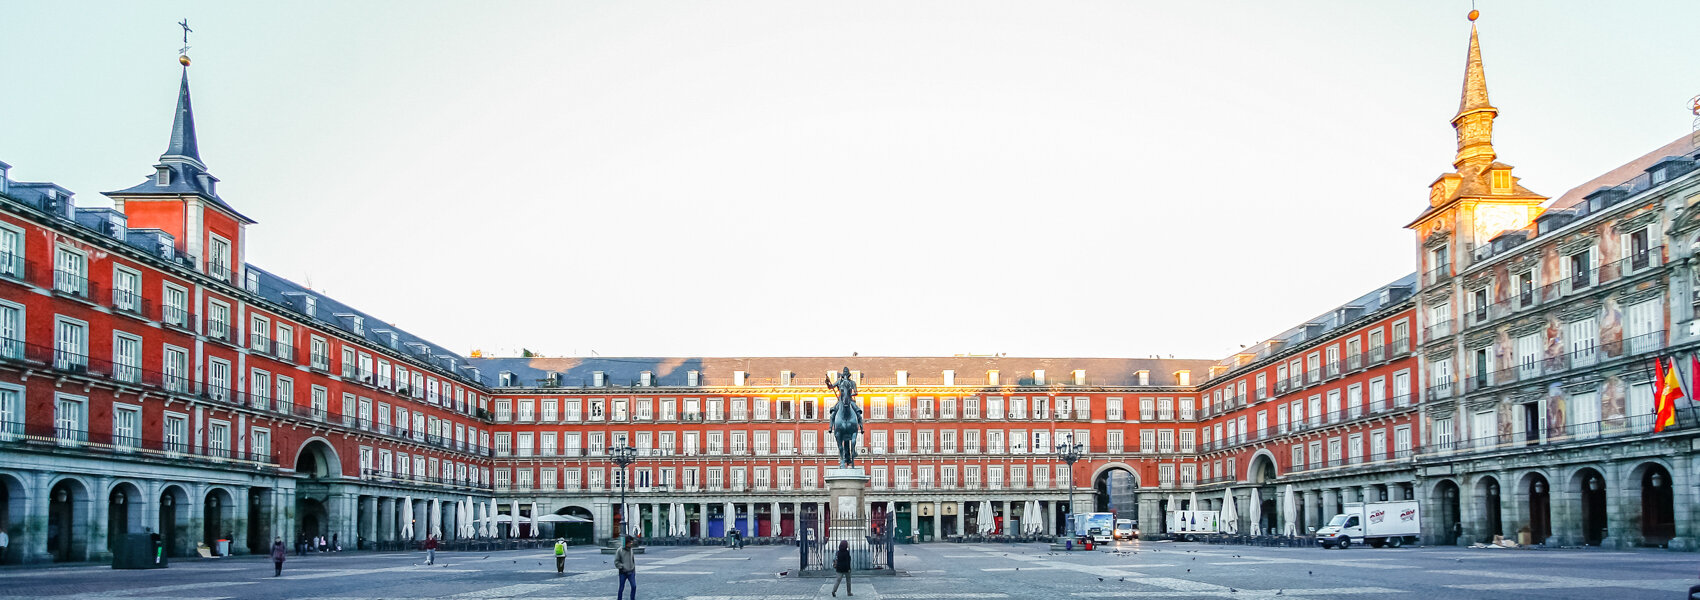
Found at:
<point>875,370</point>
<point>1628,172</point>
<point>183,156</point>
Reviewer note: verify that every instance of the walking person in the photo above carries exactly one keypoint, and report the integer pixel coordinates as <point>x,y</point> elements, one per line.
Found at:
<point>278,553</point>
<point>431,550</point>
<point>841,563</point>
<point>561,556</point>
<point>627,566</point>
<point>5,540</point>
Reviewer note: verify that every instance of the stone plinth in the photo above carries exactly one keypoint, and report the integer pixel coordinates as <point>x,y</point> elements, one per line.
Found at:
<point>847,490</point>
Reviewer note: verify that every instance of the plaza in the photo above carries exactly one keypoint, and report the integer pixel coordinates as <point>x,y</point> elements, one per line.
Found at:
<point>926,571</point>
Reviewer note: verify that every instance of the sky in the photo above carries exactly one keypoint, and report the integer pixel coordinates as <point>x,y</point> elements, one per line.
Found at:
<point>822,178</point>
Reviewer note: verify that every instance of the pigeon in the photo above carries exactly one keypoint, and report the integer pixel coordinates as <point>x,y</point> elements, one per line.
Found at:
<point>1100,579</point>
<point>784,573</point>
<point>1279,592</point>
<point>1311,573</point>
<point>1232,590</point>
<point>1458,559</point>
<point>1121,579</point>
<point>1189,570</point>
<point>1195,558</point>
<point>484,557</point>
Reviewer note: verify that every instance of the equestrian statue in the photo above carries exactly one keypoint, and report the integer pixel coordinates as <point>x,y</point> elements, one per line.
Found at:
<point>845,420</point>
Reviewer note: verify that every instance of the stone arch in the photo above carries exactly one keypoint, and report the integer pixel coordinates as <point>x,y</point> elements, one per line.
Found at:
<point>576,532</point>
<point>1535,492</point>
<point>1486,498</point>
<point>317,459</point>
<point>69,515</point>
<point>1111,493</point>
<point>1652,480</point>
<point>1446,496</point>
<point>1589,483</point>
<point>218,516</point>
<point>14,496</point>
<point>125,502</point>
<point>174,519</point>
<point>1260,472</point>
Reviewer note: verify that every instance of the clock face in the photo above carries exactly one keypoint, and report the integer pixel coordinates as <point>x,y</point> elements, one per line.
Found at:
<point>1492,220</point>
<point>1436,194</point>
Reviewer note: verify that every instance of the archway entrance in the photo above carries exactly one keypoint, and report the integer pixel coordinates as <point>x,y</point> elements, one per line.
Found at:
<point>1116,490</point>
<point>1450,517</point>
<point>1262,475</point>
<point>66,534</point>
<point>173,519</point>
<point>1487,489</point>
<point>314,520</point>
<point>123,514</point>
<point>1592,487</point>
<point>1658,510</point>
<point>577,533</point>
<point>11,514</point>
<point>260,520</point>
<point>1540,508</point>
<point>214,525</point>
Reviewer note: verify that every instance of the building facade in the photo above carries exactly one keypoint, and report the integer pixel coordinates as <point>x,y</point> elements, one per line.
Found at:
<point>151,379</point>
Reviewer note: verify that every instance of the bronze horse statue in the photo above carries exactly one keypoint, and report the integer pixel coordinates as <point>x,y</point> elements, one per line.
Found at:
<point>845,420</point>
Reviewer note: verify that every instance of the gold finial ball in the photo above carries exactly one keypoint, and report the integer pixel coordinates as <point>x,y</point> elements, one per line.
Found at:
<point>183,59</point>
<point>1474,13</point>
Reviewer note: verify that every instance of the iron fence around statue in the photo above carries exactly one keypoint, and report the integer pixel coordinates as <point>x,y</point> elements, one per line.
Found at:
<point>872,543</point>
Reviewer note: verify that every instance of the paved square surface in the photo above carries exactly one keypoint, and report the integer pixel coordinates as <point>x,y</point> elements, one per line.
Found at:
<point>930,571</point>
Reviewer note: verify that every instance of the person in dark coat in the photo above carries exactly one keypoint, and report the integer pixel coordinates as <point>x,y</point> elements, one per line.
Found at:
<point>841,563</point>
<point>278,554</point>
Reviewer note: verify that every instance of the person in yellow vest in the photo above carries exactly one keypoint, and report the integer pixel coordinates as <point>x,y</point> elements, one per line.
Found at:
<point>560,555</point>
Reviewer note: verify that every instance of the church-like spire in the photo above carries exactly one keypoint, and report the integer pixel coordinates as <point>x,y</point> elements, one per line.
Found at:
<point>183,146</point>
<point>1474,121</point>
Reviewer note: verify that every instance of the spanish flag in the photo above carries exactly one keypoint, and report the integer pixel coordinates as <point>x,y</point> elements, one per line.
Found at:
<point>1669,390</point>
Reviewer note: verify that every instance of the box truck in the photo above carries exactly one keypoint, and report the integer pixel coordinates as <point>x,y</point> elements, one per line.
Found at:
<point>1375,523</point>
<point>1098,526</point>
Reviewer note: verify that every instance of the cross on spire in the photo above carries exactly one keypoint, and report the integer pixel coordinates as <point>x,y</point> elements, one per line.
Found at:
<point>185,25</point>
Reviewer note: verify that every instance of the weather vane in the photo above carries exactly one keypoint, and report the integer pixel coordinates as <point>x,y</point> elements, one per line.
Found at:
<point>183,55</point>
<point>185,25</point>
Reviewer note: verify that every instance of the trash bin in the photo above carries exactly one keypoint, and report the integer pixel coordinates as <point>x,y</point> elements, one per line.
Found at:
<point>223,548</point>
<point>138,551</point>
<point>1087,542</point>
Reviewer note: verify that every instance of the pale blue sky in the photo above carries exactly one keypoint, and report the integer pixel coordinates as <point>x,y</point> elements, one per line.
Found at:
<point>702,178</point>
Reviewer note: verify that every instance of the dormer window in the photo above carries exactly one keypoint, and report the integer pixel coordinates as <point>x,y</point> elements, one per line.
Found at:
<point>359,325</point>
<point>1501,180</point>
<point>311,304</point>
<point>1183,377</point>
<point>162,176</point>
<point>598,378</point>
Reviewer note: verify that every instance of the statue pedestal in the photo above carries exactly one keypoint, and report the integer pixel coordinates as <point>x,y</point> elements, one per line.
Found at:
<point>847,492</point>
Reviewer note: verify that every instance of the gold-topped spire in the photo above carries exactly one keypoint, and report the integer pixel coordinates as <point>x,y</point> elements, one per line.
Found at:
<point>1474,121</point>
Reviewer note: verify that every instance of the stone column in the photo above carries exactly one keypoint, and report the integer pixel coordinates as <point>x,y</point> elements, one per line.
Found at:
<point>961,507</point>
<point>750,521</point>
<point>1623,508</point>
<point>729,519</point>
<point>96,515</point>
<point>938,520</point>
<point>238,527</point>
<point>369,518</point>
<point>194,526</point>
<point>1330,504</point>
<point>150,506</point>
<point>1350,494</point>
<point>422,519</point>
<point>386,519</point>
<point>1683,500</point>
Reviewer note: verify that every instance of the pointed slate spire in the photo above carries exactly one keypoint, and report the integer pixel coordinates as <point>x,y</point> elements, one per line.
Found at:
<point>183,146</point>
<point>1474,121</point>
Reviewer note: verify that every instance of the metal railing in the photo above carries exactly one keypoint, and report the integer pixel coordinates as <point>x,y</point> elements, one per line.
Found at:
<point>1638,425</point>
<point>15,434</point>
<point>1537,367</point>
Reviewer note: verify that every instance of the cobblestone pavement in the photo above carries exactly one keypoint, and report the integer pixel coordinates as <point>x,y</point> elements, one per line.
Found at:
<point>928,571</point>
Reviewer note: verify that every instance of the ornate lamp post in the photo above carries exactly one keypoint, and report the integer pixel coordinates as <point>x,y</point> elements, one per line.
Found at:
<point>623,456</point>
<point>1069,452</point>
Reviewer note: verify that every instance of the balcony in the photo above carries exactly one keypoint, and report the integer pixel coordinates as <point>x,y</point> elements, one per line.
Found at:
<point>13,267</point>
<point>1437,275</point>
<point>1573,433</point>
<point>126,302</point>
<point>74,285</point>
<point>15,436</point>
<point>1437,330</point>
<point>178,318</point>
<point>1534,367</point>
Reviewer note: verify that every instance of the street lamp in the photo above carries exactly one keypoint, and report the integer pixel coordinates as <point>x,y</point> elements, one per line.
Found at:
<point>1069,452</point>
<point>623,456</point>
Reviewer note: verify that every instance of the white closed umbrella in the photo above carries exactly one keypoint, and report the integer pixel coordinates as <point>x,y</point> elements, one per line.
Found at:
<point>513,518</point>
<point>776,528</point>
<point>471,522</point>
<point>1289,512</point>
<point>679,527</point>
<point>407,519</point>
<point>436,518</point>
<point>490,520</point>
<point>535,530</point>
<point>987,525</point>
<point>1193,504</point>
<point>1256,512</point>
<point>1230,513</point>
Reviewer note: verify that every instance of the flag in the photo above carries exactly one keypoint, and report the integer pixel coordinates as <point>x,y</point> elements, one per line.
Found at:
<point>1668,390</point>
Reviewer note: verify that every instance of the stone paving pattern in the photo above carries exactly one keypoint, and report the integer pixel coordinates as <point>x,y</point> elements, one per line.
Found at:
<point>929,571</point>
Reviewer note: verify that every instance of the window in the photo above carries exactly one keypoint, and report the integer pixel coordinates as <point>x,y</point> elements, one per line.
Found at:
<point>1112,409</point>
<point>321,354</point>
<point>176,433</point>
<point>1147,441</point>
<point>1440,319</point>
<point>218,441</point>
<point>260,333</point>
<point>218,379</point>
<point>1581,335</point>
<point>1262,386</point>
<point>70,345</point>
<point>126,290</point>
<point>126,427</point>
<point>1526,289</point>
<point>126,357</point>
<point>1581,268</point>
<point>218,258</point>
<point>218,320</point>
<point>1501,180</point>
<point>175,306</point>
<point>70,274</point>
<point>1643,330</point>
<point>70,419</point>
<point>11,412</point>
<point>1166,440</point>
<point>260,446</point>
<point>11,251</point>
<point>1443,432</point>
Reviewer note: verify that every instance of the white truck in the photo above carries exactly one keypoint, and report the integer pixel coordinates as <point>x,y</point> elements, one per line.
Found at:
<point>1375,523</point>
<point>1186,523</point>
<point>1099,526</point>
